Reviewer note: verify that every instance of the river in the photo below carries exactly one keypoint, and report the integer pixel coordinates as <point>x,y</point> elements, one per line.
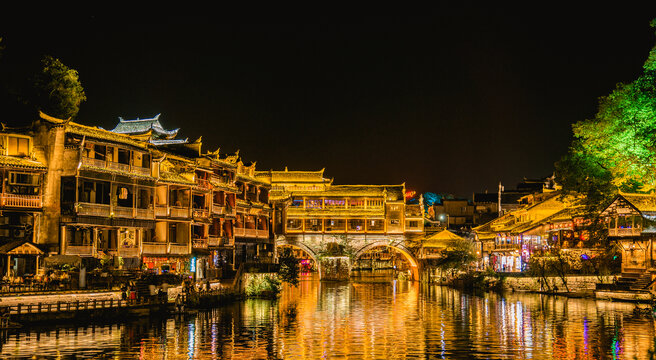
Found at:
<point>362,320</point>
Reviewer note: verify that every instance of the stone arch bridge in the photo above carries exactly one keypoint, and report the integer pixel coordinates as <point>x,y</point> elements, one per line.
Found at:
<point>339,267</point>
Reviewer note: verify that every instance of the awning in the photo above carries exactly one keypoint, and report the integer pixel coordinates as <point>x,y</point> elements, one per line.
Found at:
<point>58,260</point>
<point>442,240</point>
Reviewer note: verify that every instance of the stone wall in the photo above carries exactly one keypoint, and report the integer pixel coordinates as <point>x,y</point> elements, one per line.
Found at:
<point>575,283</point>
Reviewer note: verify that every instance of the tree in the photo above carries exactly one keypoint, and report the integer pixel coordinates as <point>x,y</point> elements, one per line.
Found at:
<point>57,89</point>
<point>616,150</point>
<point>457,256</point>
<point>289,268</point>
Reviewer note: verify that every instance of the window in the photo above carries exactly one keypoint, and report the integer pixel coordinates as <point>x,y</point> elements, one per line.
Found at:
<point>18,146</point>
<point>294,224</point>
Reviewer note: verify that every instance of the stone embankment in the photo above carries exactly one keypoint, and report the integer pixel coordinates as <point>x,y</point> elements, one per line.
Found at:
<point>576,284</point>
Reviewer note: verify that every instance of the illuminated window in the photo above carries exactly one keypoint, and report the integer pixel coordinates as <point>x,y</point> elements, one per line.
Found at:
<point>18,146</point>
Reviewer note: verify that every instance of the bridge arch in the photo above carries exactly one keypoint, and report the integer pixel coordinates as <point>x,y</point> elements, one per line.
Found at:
<point>282,241</point>
<point>407,253</point>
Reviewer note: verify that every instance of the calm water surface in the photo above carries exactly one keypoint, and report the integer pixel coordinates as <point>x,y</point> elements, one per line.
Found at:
<point>363,320</point>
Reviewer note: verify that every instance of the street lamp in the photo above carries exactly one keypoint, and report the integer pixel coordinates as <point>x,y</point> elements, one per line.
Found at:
<point>442,218</point>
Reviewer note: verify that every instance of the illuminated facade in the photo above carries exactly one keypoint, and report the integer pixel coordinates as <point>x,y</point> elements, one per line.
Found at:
<point>506,243</point>
<point>136,195</point>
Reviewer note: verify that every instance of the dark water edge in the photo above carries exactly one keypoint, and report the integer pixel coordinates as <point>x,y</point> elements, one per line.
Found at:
<point>363,319</point>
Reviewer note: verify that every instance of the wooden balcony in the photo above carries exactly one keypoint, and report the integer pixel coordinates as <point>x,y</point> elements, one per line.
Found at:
<point>129,252</point>
<point>94,162</point>
<point>179,212</point>
<point>262,234</point>
<point>91,209</point>
<point>240,231</point>
<point>161,210</point>
<point>118,166</point>
<point>251,233</point>
<point>21,201</point>
<point>145,171</point>
<point>199,243</point>
<point>123,212</point>
<point>214,241</point>
<point>621,232</point>
<point>218,209</point>
<point>203,184</point>
<point>178,249</point>
<point>201,213</point>
<point>148,214</point>
<point>156,248</point>
<point>80,250</point>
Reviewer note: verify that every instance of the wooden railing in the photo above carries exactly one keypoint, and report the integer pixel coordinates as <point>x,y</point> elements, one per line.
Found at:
<point>218,209</point>
<point>161,210</point>
<point>141,170</point>
<point>93,209</point>
<point>94,162</point>
<point>145,213</point>
<point>22,201</point>
<point>39,308</point>
<point>214,241</point>
<point>155,248</point>
<point>118,166</point>
<point>129,252</point>
<point>123,212</point>
<point>262,234</point>
<point>178,249</point>
<point>82,250</point>
<point>624,232</point>
<point>199,243</point>
<point>179,212</point>
<point>203,184</point>
<point>239,231</point>
<point>250,233</point>
<point>201,213</point>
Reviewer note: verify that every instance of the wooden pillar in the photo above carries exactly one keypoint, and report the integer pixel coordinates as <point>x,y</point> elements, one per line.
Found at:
<point>8,265</point>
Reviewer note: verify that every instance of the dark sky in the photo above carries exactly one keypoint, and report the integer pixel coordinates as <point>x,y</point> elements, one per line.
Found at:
<point>451,101</point>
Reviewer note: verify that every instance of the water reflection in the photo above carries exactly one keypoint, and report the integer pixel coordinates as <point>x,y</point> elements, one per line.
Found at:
<point>363,320</point>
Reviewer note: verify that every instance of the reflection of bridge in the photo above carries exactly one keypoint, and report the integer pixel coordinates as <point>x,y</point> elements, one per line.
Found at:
<point>338,268</point>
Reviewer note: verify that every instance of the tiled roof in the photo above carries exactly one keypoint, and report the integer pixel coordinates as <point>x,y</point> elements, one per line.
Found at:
<point>19,162</point>
<point>392,192</point>
<point>140,126</point>
<point>287,176</point>
<point>175,178</point>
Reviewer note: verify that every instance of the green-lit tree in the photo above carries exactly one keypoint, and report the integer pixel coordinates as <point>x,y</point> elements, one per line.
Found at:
<point>57,89</point>
<point>615,150</point>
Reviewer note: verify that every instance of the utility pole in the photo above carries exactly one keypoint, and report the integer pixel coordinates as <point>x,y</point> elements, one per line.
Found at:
<point>499,201</point>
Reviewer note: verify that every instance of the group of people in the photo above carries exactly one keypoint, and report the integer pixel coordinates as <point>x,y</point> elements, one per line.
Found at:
<point>49,280</point>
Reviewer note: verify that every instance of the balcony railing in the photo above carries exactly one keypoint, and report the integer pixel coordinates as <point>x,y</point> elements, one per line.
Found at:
<point>123,212</point>
<point>240,231</point>
<point>218,209</point>
<point>159,248</point>
<point>624,232</point>
<point>179,212</point>
<point>199,243</point>
<point>129,252</point>
<point>203,184</point>
<point>262,234</point>
<point>507,246</point>
<point>145,213</point>
<point>80,250</point>
<point>201,213</point>
<point>214,241</point>
<point>21,201</point>
<point>116,166</point>
<point>141,170</point>
<point>161,210</point>
<point>178,249</point>
<point>93,209</point>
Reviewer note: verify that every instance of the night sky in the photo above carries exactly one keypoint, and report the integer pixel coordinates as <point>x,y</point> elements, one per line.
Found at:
<point>452,101</point>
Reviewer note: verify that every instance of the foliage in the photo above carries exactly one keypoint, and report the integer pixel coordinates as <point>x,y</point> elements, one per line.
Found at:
<point>289,267</point>
<point>57,89</point>
<point>616,149</point>
<point>340,247</point>
<point>458,256</point>
<point>262,285</point>
<point>554,263</point>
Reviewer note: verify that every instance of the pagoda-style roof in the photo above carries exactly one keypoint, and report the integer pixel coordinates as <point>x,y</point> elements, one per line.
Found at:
<point>442,240</point>
<point>286,176</point>
<point>143,126</point>
<point>20,247</point>
<point>389,192</point>
<point>20,163</point>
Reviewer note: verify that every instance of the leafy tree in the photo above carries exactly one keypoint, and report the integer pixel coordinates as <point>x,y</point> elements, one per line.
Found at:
<point>457,257</point>
<point>289,268</point>
<point>57,89</point>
